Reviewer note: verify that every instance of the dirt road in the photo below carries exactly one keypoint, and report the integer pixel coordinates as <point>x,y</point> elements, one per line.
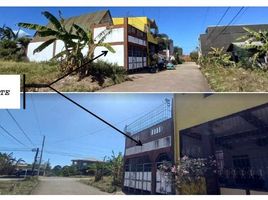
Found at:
<point>186,78</point>
<point>64,186</point>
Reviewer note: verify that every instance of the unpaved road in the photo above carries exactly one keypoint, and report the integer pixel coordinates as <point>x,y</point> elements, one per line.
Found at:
<point>64,186</point>
<point>186,78</point>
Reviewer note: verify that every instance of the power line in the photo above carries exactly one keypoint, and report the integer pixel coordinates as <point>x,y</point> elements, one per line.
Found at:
<point>102,129</point>
<point>74,155</point>
<point>246,8</point>
<point>19,126</point>
<point>224,14</point>
<point>205,18</point>
<point>240,10</point>
<point>13,137</point>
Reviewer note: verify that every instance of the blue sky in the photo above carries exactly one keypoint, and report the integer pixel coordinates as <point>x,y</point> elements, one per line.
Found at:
<point>69,129</point>
<point>182,24</point>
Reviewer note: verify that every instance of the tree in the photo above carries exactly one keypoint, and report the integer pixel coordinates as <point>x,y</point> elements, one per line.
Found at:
<point>75,38</point>
<point>8,163</point>
<point>12,47</point>
<point>6,33</point>
<point>194,56</point>
<point>257,40</point>
<point>57,170</point>
<point>177,54</point>
<point>116,168</point>
<point>178,51</point>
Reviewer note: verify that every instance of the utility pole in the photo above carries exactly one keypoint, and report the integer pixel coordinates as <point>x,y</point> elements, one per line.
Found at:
<point>35,159</point>
<point>41,155</point>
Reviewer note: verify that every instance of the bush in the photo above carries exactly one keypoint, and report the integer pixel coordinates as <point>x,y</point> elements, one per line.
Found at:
<point>101,70</point>
<point>12,50</point>
<point>194,56</point>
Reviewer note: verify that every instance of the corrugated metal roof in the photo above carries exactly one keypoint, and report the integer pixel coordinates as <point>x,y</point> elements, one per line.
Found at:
<point>86,21</point>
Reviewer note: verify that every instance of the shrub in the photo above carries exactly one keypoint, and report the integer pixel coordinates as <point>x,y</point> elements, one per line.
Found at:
<point>101,70</point>
<point>14,49</point>
<point>194,56</point>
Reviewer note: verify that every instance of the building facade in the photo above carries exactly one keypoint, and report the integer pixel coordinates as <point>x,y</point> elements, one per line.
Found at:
<point>226,37</point>
<point>233,130</point>
<point>142,163</point>
<point>82,165</point>
<point>134,39</point>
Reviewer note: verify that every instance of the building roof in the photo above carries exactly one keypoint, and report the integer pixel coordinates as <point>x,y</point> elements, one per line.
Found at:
<point>87,160</point>
<point>86,20</point>
<point>220,36</point>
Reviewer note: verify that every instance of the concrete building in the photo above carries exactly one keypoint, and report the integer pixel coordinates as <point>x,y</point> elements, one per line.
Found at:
<point>134,39</point>
<point>142,174</point>
<point>83,164</point>
<point>230,128</point>
<point>233,129</point>
<point>222,36</point>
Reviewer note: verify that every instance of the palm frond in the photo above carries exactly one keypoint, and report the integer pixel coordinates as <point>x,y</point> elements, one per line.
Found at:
<point>107,46</point>
<point>35,27</point>
<point>56,23</point>
<point>81,32</point>
<point>44,45</point>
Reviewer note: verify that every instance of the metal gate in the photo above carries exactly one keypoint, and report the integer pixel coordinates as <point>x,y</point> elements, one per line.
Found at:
<point>138,178</point>
<point>164,181</point>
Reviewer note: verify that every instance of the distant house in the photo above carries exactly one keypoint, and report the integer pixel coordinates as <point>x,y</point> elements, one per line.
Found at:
<point>134,39</point>
<point>220,36</point>
<point>83,164</point>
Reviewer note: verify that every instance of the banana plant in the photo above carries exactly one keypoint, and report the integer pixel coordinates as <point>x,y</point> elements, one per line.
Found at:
<point>6,33</point>
<point>219,58</point>
<point>75,38</point>
<point>250,38</point>
<point>87,39</point>
<point>58,31</point>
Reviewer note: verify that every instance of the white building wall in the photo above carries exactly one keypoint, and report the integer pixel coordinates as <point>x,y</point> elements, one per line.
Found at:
<point>44,55</point>
<point>59,47</point>
<point>117,57</point>
<point>116,34</point>
<point>149,146</point>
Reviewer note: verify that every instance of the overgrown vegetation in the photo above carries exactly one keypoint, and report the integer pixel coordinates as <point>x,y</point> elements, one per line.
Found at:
<point>105,74</point>
<point>12,47</point>
<point>21,187</point>
<point>247,74</point>
<point>75,39</point>
<point>105,184</point>
<point>235,79</point>
<point>8,163</point>
<point>194,56</point>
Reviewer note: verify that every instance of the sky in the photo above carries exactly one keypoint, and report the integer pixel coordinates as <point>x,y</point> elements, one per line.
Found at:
<point>71,132</point>
<point>182,24</point>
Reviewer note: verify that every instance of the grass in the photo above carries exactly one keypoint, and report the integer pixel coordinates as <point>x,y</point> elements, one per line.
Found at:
<point>45,72</point>
<point>104,185</point>
<point>35,72</point>
<point>233,79</point>
<point>21,187</point>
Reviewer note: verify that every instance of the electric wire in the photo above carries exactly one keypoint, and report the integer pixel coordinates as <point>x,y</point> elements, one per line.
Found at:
<point>19,126</point>
<point>13,137</point>
<point>231,21</point>
<point>224,14</point>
